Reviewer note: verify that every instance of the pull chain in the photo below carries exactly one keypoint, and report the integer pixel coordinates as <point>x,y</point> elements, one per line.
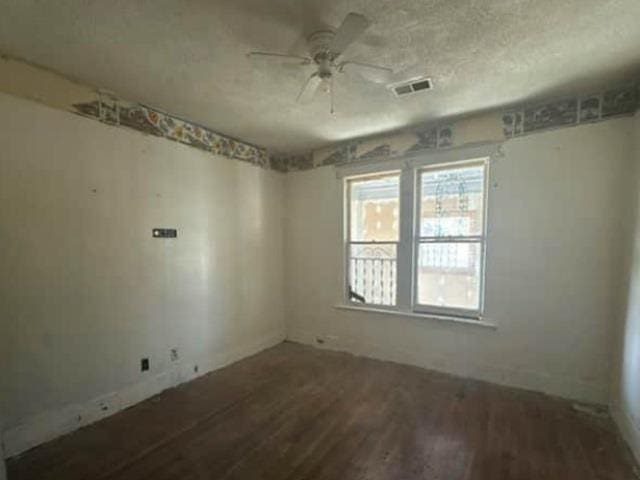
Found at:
<point>332,96</point>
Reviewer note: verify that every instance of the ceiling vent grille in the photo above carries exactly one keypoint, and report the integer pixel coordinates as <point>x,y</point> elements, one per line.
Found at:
<point>412,86</point>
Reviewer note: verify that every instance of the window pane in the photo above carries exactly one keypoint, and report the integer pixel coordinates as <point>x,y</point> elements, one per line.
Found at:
<point>374,208</point>
<point>449,275</point>
<point>452,202</point>
<point>372,273</point>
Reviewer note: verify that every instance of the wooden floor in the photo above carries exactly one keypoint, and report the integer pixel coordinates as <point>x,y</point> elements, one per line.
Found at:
<point>295,412</point>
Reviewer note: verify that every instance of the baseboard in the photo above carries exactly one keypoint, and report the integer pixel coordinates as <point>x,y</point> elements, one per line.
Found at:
<point>41,428</point>
<point>629,429</point>
<point>498,374</point>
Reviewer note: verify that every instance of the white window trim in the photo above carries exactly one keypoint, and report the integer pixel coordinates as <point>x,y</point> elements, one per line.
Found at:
<point>347,242</point>
<point>426,316</point>
<point>482,239</point>
<point>406,283</point>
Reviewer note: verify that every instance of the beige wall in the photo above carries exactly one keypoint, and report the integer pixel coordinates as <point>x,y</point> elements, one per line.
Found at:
<point>554,262</point>
<point>86,292</point>
<point>626,393</point>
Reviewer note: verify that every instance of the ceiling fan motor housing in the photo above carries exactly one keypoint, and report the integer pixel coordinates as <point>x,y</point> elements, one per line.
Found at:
<point>319,43</point>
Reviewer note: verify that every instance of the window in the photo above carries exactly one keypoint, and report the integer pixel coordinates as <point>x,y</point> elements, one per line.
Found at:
<point>373,236</point>
<point>415,239</point>
<point>450,243</point>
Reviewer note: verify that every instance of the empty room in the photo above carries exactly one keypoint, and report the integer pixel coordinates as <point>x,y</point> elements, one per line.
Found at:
<point>320,239</point>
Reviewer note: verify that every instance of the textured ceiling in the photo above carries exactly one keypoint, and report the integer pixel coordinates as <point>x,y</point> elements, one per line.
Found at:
<point>188,57</point>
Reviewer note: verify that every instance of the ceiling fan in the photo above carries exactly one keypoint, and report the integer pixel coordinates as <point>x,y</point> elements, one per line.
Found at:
<point>325,53</point>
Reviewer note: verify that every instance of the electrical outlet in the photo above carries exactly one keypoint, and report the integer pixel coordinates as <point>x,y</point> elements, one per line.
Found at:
<point>144,364</point>
<point>173,354</point>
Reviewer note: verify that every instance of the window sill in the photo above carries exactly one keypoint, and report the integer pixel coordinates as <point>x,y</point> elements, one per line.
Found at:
<point>425,316</point>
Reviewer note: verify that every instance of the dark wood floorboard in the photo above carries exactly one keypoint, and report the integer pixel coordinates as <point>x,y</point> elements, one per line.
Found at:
<point>294,412</point>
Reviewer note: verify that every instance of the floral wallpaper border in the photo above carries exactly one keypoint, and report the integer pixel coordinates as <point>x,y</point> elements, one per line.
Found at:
<point>515,122</point>
<point>32,82</point>
<point>112,110</point>
<point>285,162</point>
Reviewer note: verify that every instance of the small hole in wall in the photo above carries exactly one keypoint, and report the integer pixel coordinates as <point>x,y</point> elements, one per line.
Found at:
<point>195,368</point>
<point>319,340</point>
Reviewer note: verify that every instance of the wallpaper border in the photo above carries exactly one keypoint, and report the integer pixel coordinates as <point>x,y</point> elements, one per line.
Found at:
<point>509,123</point>
<point>112,110</point>
<point>26,80</point>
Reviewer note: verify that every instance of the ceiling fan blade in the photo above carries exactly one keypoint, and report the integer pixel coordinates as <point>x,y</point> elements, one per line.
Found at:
<point>352,27</point>
<point>374,73</point>
<point>279,58</point>
<point>310,88</point>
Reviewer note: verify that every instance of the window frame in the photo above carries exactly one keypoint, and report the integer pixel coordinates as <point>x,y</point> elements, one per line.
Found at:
<point>417,240</point>
<point>409,168</point>
<point>346,209</point>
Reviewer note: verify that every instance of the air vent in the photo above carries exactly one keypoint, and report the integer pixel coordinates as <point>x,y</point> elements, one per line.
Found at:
<point>403,90</point>
<point>421,85</point>
<point>412,86</point>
